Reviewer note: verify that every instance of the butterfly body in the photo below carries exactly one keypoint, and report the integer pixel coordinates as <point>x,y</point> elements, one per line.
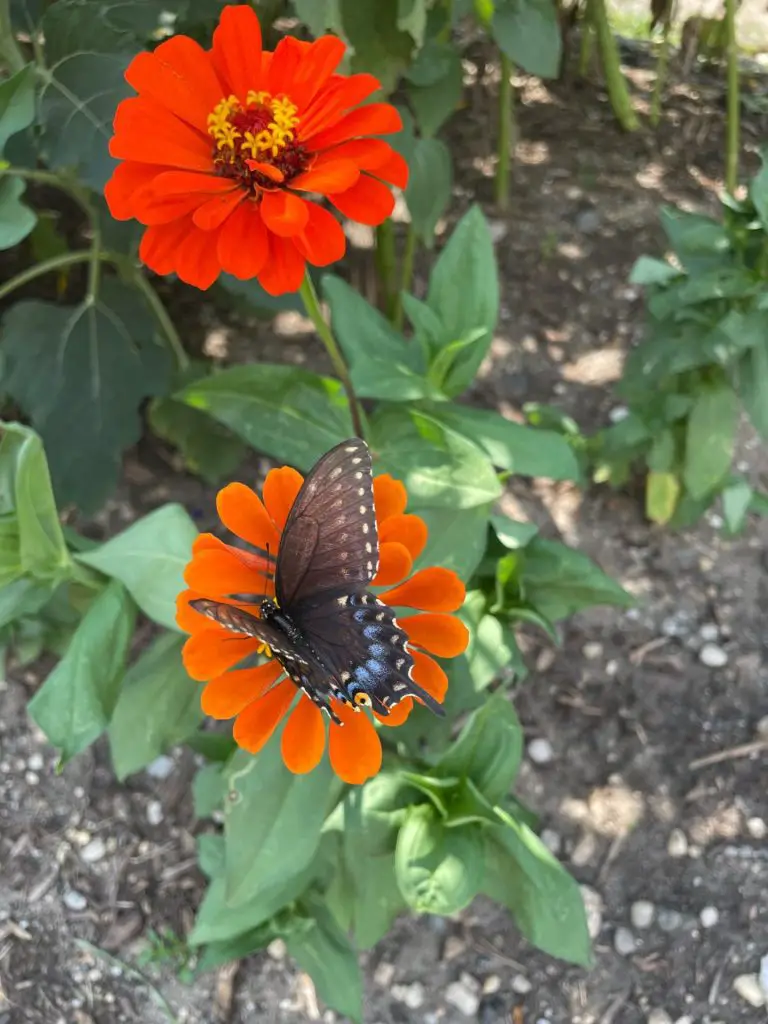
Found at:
<point>333,637</point>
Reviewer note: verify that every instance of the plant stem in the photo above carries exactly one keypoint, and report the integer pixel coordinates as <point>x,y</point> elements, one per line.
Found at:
<point>618,91</point>
<point>406,275</point>
<point>506,132</point>
<point>386,265</point>
<point>733,100</point>
<point>67,259</point>
<point>161,315</point>
<point>661,71</point>
<point>312,306</point>
<point>10,54</point>
<point>585,51</point>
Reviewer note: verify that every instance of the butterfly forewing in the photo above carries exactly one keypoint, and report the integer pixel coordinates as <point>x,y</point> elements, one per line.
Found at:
<point>330,540</point>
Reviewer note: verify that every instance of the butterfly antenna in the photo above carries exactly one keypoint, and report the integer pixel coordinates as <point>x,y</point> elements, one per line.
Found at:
<point>267,575</point>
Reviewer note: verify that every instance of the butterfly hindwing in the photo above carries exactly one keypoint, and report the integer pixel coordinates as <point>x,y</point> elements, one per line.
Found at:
<point>330,541</point>
<point>357,638</point>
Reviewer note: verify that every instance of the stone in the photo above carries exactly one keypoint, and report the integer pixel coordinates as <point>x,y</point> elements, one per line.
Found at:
<point>618,413</point>
<point>762,726</point>
<point>748,987</point>
<point>588,222</point>
<point>709,916</point>
<point>460,995</point>
<point>492,985</point>
<point>624,941</point>
<point>411,996</point>
<point>757,828</point>
<point>677,844</point>
<point>384,974</point>
<point>593,650</point>
<point>641,914</point>
<point>593,908</point>
<point>521,985</point>
<point>659,1016</point>
<point>551,840</point>
<point>454,946</point>
<point>94,851</point>
<point>763,976</point>
<point>277,949</point>
<point>74,900</point>
<point>540,751</point>
<point>709,632</point>
<point>713,656</point>
<point>154,812</point>
<point>161,767</point>
<point>669,920</point>
<point>35,762</point>
<point>584,850</point>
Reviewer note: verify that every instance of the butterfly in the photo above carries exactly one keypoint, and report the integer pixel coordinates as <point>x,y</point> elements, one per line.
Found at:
<point>331,635</point>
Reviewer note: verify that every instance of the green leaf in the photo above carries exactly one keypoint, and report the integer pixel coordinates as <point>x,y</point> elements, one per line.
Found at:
<point>77,116</point>
<point>325,953</point>
<point>661,457</point>
<point>528,32</point>
<point>429,187</point>
<point>75,703</point>
<point>380,47</point>
<point>647,271</point>
<point>439,870</point>
<point>699,242</point>
<point>17,103</point>
<point>456,538</point>
<point>149,558</point>
<point>709,440</point>
<point>737,499</point>
<point>758,190</point>
<point>210,854</point>
<point>382,362</point>
<point>752,376</point>
<point>253,296</point>
<point>412,18</point>
<point>527,451</point>
<point>283,411</point>
<point>513,534</point>
<point>25,491</point>
<point>208,448</point>
<point>80,373</point>
<point>521,874</point>
<point>16,218</point>
<point>661,493</point>
<point>75,26</point>
<point>216,954</point>
<point>464,293</point>
<point>559,581</point>
<point>439,467</point>
<point>319,15</point>
<point>433,102</point>
<point>432,63</point>
<point>492,645</point>
<point>488,749</point>
<point>726,283</point>
<point>208,792</point>
<point>272,821</point>
<point>159,705</point>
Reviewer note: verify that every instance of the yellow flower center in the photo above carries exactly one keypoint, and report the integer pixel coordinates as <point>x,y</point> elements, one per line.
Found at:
<point>261,132</point>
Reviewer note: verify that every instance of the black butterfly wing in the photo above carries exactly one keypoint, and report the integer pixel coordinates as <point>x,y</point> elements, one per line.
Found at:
<point>298,661</point>
<point>330,541</point>
<point>357,638</point>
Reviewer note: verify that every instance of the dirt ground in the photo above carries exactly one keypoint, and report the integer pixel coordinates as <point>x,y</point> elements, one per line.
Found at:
<point>670,848</point>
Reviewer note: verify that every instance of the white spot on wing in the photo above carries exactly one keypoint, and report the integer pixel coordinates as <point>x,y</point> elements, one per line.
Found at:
<point>365,527</point>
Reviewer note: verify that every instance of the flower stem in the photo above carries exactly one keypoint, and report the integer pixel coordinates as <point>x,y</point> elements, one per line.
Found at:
<point>406,275</point>
<point>506,132</point>
<point>66,259</point>
<point>161,315</point>
<point>386,265</point>
<point>312,306</point>
<point>616,84</point>
<point>585,52</point>
<point>661,72</point>
<point>733,100</point>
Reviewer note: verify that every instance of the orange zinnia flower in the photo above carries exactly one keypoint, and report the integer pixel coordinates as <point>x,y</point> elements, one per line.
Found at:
<point>221,146</point>
<point>255,697</point>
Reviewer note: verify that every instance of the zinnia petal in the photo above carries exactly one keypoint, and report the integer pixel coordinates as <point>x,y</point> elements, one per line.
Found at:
<point>280,490</point>
<point>354,747</point>
<point>303,740</point>
<point>429,675</point>
<point>160,243</point>
<point>328,176</point>
<point>127,178</point>
<point>242,511</point>
<point>243,245</point>
<point>318,62</point>
<point>284,66</point>
<point>284,270</point>
<point>434,589</point>
<point>375,156</point>
<point>212,651</point>
<point>322,241</point>
<point>398,715</point>
<point>256,723</point>
<point>179,76</point>
<point>443,635</point>
<point>236,51</point>
<point>196,261</point>
<point>284,213</point>
<point>410,530</point>
<point>227,694</point>
<point>147,133</point>
<point>372,119</point>
<point>219,573</point>
<point>333,101</point>
<point>395,563</point>
<point>390,497</point>
<point>214,212</point>
<point>367,202</point>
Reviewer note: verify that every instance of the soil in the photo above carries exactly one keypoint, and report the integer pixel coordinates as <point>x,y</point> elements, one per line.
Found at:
<point>628,706</point>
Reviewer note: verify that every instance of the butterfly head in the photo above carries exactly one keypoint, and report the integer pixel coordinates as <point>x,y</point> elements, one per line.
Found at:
<point>268,609</point>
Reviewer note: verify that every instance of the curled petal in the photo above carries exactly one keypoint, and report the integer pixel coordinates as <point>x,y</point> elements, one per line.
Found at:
<point>395,563</point>
<point>280,490</point>
<point>434,589</point>
<point>429,675</point>
<point>284,213</point>
<point>443,635</point>
<point>212,213</point>
<point>227,694</point>
<point>375,156</point>
<point>333,101</point>
<point>398,714</point>
<point>409,530</point>
<point>212,651</point>
<point>318,63</point>
<point>303,740</point>
<point>256,723</point>
<point>242,511</point>
<point>354,747</point>
<point>390,497</point>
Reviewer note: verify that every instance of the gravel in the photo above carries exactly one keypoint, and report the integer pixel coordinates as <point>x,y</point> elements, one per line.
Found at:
<point>624,941</point>
<point>94,851</point>
<point>464,995</point>
<point>74,900</point>
<point>154,812</point>
<point>677,844</point>
<point>713,656</point>
<point>749,988</point>
<point>593,908</point>
<point>709,916</point>
<point>411,996</point>
<point>659,1016</point>
<point>540,751</point>
<point>521,985</point>
<point>161,767</point>
<point>641,914</point>
<point>669,920</point>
